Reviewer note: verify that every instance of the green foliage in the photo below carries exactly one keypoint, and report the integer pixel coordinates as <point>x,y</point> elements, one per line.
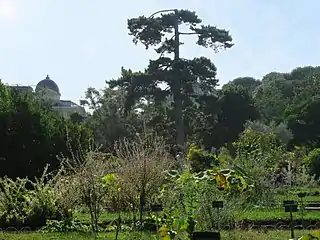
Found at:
<point>20,206</point>
<point>151,31</point>
<point>112,186</point>
<point>248,83</point>
<point>230,181</point>
<point>271,97</point>
<point>282,132</point>
<point>313,162</point>
<point>293,98</point>
<point>198,72</point>
<point>187,199</point>
<point>304,121</point>
<point>110,179</point>
<point>200,160</point>
<point>32,135</point>
<point>13,202</point>
<point>110,120</point>
<point>256,145</point>
<point>315,235</point>
<point>257,155</point>
<point>231,118</point>
<point>68,225</point>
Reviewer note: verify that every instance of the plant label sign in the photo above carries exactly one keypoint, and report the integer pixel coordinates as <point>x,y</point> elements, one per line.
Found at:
<point>290,206</point>
<point>206,236</point>
<point>217,204</point>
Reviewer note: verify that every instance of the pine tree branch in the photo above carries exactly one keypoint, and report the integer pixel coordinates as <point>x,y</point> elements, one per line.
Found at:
<point>189,33</point>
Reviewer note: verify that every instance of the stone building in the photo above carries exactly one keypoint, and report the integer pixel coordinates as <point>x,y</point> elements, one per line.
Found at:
<point>48,90</point>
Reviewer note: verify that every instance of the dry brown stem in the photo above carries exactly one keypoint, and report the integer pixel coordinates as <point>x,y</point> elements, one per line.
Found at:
<point>142,173</point>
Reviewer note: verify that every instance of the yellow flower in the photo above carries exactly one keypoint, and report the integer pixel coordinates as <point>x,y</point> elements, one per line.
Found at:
<point>164,233</point>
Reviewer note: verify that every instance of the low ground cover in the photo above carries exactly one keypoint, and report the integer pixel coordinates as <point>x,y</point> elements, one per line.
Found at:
<point>235,235</point>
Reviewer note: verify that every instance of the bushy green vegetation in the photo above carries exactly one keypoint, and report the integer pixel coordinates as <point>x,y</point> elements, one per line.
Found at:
<point>251,144</point>
<point>32,135</point>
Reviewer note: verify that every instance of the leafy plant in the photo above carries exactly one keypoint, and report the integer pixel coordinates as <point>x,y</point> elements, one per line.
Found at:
<point>29,203</point>
<point>315,235</point>
<point>313,162</point>
<point>223,179</point>
<point>65,226</point>
<point>200,160</point>
<point>256,145</point>
<point>13,201</point>
<point>187,199</point>
<point>257,155</point>
<point>113,189</point>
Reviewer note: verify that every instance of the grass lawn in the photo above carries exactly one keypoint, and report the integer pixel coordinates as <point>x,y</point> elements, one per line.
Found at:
<point>292,194</point>
<point>40,236</point>
<point>276,214</point>
<point>63,236</point>
<point>236,235</point>
<point>254,214</point>
<point>256,235</point>
<point>258,214</point>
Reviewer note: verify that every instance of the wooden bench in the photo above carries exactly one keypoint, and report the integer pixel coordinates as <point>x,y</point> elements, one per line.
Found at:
<point>312,206</point>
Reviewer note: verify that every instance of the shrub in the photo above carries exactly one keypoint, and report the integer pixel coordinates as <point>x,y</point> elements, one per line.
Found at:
<point>224,157</point>
<point>281,131</point>
<point>28,203</point>
<point>83,178</point>
<point>65,226</point>
<point>258,154</point>
<point>291,172</point>
<point>200,160</point>
<point>313,162</point>
<point>13,202</point>
<point>256,145</point>
<point>41,204</point>
<point>187,199</point>
<point>141,174</point>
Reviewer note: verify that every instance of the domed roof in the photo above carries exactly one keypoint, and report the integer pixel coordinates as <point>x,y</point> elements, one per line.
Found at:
<point>47,83</point>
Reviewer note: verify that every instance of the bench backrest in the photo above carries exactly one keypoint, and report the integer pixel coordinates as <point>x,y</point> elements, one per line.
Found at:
<point>313,204</point>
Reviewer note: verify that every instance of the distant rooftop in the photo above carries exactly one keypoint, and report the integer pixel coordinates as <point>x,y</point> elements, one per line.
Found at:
<point>21,88</point>
<point>66,103</point>
<point>47,83</point>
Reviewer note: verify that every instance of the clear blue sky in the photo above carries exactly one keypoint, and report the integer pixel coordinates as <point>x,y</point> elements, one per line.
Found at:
<point>82,43</point>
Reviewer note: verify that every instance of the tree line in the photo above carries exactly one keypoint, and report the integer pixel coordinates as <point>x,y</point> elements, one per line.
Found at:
<point>211,117</point>
<point>34,136</point>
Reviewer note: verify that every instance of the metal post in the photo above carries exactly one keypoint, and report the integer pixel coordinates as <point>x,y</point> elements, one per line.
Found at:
<point>302,212</point>
<point>178,108</point>
<point>176,83</point>
<point>291,206</point>
<point>156,209</point>
<point>302,195</point>
<point>218,205</point>
<point>291,225</point>
<point>218,219</point>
